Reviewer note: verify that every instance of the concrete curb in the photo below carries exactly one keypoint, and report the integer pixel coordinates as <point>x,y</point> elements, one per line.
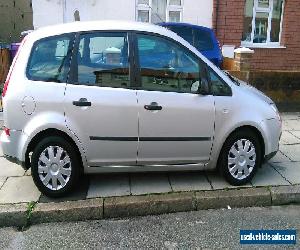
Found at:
<point>128,206</point>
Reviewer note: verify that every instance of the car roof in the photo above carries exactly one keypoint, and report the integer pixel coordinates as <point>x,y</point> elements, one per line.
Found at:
<point>100,25</point>
<point>184,25</point>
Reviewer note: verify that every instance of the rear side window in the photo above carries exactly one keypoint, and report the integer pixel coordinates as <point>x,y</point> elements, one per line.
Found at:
<point>50,59</point>
<point>203,40</point>
<point>102,60</point>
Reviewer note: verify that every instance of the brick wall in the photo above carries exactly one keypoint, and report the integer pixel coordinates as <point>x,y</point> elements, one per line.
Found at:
<point>228,23</point>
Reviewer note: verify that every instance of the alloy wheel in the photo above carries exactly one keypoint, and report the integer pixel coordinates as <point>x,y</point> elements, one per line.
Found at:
<point>54,167</point>
<point>241,159</point>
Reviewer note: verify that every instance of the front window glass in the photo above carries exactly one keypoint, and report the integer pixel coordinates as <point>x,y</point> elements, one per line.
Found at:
<point>50,59</point>
<point>143,1</point>
<point>262,21</point>
<point>263,3</point>
<point>174,16</point>
<point>157,11</point>
<point>143,16</point>
<point>261,27</point>
<point>165,66</point>
<point>218,86</point>
<point>175,2</point>
<point>276,19</point>
<point>248,20</point>
<point>103,60</point>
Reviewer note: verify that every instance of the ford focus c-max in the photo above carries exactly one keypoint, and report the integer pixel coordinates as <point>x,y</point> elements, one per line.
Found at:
<point>99,97</point>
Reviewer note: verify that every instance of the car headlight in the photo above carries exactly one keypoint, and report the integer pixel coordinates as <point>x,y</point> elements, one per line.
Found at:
<point>273,106</point>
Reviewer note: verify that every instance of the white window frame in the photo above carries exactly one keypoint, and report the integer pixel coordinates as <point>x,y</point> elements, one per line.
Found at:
<point>268,43</point>
<point>169,8</point>
<point>143,7</point>
<point>177,8</point>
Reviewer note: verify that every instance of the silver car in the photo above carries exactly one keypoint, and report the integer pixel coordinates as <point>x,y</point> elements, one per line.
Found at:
<point>115,96</point>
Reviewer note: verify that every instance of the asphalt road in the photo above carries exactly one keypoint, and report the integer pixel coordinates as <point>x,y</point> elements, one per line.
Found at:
<point>211,229</point>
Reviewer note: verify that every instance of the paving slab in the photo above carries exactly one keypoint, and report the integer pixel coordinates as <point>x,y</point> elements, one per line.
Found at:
<point>2,180</point>
<point>289,170</point>
<point>288,138</point>
<point>296,133</point>
<point>108,185</point>
<point>189,181</point>
<point>268,176</point>
<point>291,124</point>
<point>8,169</point>
<point>291,151</point>
<point>19,189</point>
<point>290,115</point>
<point>279,157</point>
<point>149,183</point>
<point>218,182</point>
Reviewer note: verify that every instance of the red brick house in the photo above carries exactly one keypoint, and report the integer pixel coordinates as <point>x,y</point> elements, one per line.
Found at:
<point>270,27</point>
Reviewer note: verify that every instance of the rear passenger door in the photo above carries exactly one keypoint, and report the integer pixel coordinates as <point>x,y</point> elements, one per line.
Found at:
<point>100,107</point>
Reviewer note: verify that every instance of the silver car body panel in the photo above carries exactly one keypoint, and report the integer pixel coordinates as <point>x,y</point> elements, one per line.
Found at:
<point>48,105</point>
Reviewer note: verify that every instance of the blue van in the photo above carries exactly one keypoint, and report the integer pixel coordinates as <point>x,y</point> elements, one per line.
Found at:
<point>202,38</point>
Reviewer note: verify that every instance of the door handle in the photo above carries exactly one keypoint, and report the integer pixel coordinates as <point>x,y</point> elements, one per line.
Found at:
<point>82,102</point>
<point>153,106</point>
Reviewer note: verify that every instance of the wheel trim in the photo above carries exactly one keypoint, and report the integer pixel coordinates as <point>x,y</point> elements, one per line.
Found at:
<point>241,159</point>
<point>54,167</point>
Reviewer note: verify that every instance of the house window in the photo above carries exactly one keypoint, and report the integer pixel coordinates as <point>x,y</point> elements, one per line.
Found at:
<point>262,23</point>
<point>156,11</point>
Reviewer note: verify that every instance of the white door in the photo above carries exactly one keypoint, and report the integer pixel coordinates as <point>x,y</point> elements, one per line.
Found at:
<point>176,123</point>
<point>100,107</point>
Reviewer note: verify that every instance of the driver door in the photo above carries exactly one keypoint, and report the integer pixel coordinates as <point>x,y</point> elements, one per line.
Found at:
<point>176,123</point>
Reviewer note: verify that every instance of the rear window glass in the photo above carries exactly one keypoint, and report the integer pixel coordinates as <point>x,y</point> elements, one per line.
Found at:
<point>185,32</point>
<point>203,40</point>
<point>50,59</point>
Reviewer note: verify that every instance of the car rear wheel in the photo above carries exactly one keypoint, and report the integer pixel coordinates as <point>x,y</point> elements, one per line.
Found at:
<point>240,157</point>
<point>55,166</point>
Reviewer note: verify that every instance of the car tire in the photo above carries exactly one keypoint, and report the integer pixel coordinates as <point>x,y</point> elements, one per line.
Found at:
<point>240,157</point>
<point>55,166</point>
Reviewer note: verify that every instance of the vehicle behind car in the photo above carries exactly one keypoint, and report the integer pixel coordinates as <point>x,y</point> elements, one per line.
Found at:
<point>202,38</point>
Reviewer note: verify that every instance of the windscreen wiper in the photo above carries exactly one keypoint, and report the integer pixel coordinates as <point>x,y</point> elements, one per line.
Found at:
<point>232,78</point>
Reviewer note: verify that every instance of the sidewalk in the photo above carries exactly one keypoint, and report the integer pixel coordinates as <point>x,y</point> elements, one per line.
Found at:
<point>278,182</point>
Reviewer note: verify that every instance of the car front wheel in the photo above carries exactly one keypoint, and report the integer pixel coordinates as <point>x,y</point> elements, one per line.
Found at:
<point>240,157</point>
<point>55,166</point>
